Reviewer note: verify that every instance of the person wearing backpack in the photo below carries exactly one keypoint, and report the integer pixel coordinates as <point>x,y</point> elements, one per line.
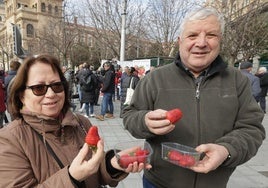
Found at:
<point>88,83</point>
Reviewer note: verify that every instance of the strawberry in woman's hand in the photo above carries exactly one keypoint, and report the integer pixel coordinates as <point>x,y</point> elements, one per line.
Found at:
<point>92,137</point>
<point>174,115</point>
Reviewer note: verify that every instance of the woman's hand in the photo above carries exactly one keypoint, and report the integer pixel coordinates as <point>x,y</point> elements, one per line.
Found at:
<point>157,123</point>
<point>132,167</point>
<point>215,155</point>
<point>80,168</point>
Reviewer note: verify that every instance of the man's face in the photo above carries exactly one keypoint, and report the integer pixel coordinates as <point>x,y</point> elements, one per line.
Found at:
<point>106,67</point>
<point>199,43</point>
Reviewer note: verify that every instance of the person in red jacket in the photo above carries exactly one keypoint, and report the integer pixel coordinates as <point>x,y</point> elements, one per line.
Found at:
<point>118,75</point>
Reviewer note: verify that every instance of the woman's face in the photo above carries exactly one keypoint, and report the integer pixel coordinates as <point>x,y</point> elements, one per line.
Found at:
<point>51,103</point>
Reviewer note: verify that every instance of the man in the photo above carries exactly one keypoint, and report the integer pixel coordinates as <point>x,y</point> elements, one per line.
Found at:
<point>246,68</point>
<point>108,89</point>
<point>220,119</point>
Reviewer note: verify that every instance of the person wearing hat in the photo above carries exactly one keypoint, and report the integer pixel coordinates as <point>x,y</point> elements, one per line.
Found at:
<point>246,68</point>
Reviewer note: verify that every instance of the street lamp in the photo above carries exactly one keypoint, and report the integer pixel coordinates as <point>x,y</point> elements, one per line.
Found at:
<point>123,31</point>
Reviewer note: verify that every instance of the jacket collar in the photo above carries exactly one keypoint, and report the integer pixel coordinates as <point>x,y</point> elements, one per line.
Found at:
<point>44,124</point>
<point>216,66</point>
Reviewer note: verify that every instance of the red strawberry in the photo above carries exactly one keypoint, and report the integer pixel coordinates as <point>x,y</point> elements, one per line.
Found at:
<point>126,159</point>
<point>187,161</point>
<point>190,160</point>
<point>174,155</point>
<point>174,115</point>
<point>141,155</point>
<point>92,137</point>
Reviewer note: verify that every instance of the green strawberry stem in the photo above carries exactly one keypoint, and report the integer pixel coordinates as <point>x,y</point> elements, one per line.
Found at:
<point>93,148</point>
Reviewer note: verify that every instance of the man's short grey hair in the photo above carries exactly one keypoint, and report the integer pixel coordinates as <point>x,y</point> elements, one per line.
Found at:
<point>262,70</point>
<point>201,14</point>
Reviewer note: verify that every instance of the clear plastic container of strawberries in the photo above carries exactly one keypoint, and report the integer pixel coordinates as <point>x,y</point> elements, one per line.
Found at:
<point>134,151</point>
<point>179,154</point>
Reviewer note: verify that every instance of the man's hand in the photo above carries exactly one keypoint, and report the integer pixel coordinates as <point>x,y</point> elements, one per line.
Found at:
<point>215,155</point>
<point>157,123</point>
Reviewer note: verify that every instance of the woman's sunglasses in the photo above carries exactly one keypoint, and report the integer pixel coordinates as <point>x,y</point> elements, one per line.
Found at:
<point>41,89</point>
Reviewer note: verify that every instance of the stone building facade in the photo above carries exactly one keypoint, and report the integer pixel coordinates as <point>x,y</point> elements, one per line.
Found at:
<point>31,18</point>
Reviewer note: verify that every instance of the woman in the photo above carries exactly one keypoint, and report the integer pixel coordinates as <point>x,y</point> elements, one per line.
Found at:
<point>44,145</point>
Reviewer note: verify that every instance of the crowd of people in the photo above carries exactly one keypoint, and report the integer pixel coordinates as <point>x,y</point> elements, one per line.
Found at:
<point>110,82</point>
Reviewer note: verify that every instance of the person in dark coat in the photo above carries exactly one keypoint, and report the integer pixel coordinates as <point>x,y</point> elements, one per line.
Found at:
<point>246,68</point>
<point>11,74</point>
<point>108,90</point>
<point>126,83</point>
<point>2,103</point>
<point>98,87</point>
<point>14,66</point>
<point>263,75</point>
<point>88,92</point>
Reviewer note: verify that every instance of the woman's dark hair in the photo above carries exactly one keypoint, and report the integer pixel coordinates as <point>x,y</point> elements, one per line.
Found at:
<point>18,86</point>
<point>132,70</point>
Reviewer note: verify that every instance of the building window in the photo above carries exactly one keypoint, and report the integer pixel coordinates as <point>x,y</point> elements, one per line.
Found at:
<point>89,40</point>
<point>49,7</point>
<point>43,7</point>
<point>30,30</point>
<point>56,10</point>
<point>30,48</point>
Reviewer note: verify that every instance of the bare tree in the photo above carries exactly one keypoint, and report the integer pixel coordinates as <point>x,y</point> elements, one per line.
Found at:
<point>163,21</point>
<point>246,36</point>
<point>58,36</point>
<point>246,31</point>
<point>105,17</point>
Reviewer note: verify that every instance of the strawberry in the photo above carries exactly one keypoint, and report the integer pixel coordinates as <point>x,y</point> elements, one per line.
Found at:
<point>174,115</point>
<point>187,161</point>
<point>174,155</point>
<point>126,159</point>
<point>181,159</point>
<point>140,155</point>
<point>92,137</point>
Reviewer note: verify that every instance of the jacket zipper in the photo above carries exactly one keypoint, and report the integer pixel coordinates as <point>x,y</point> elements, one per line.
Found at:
<point>197,91</point>
<point>197,96</point>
